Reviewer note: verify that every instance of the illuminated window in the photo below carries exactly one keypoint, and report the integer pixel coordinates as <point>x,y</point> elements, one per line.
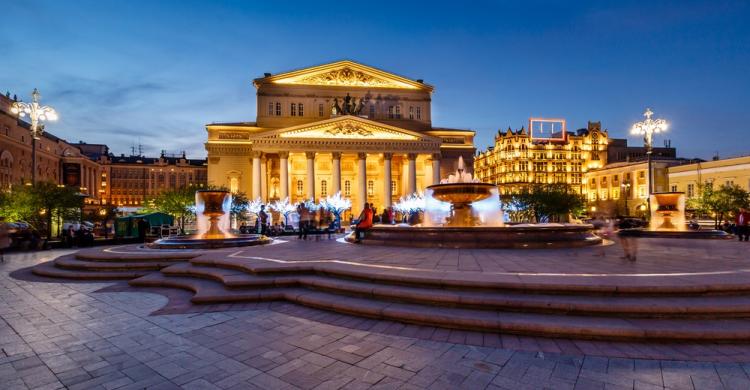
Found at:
<point>270,109</point>
<point>293,111</point>
<point>393,187</point>
<point>690,190</point>
<point>398,112</point>
<point>411,112</point>
<point>370,188</point>
<point>323,188</point>
<point>320,109</point>
<point>300,187</point>
<point>278,109</point>
<point>300,109</point>
<point>347,188</point>
<point>419,113</point>
<point>234,185</point>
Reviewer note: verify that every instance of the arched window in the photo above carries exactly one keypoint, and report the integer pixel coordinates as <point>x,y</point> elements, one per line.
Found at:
<point>293,111</point>
<point>300,108</point>
<point>347,188</point>
<point>323,188</point>
<point>300,187</point>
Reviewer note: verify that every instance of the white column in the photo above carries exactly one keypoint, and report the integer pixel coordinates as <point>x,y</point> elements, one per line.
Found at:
<point>361,182</point>
<point>264,178</point>
<point>336,162</point>
<point>283,174</point>
<point>436,168</point>
<point>387,193</point>
<point>256,175</point>
<point>310,175</point>
<point>412,173</point>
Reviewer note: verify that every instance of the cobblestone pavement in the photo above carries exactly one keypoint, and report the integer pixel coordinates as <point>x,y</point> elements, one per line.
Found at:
<point>57,335</point>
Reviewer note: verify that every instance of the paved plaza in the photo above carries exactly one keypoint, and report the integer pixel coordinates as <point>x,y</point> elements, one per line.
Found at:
<point>80,335</point>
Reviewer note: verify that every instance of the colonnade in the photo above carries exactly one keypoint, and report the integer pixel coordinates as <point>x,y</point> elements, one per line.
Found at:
<point>259,174</point>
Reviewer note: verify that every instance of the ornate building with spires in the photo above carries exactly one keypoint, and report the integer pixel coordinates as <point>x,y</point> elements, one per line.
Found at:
<point>341,126</point>
<point>518,160</point>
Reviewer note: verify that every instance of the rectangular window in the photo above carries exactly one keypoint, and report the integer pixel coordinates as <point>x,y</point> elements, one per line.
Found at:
<point>347,188</point>
<point>270,109</point>
<point>690,190</point>
<point>323,188</point>
<point>419,113</point>
<point>300,109</point>
<point>411,112</point>
<point>674,188</point>
<point>372,111</point>
<point>320,109</point>
<point>278,109</point>
<point>390,112</point>
<point>370,188</point>
<point>398,112</point>
<point>293,110</point>
<point>393,186</point>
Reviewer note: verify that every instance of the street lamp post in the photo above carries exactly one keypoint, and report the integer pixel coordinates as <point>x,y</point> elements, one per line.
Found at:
<point>37,113</point>
<point>626,193</point>
<point>647,129</point>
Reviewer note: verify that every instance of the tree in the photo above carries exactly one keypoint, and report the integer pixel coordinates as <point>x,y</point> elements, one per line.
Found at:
<point>336,205</point>
<point>719,202</point>
<point>544,202</point>
<point>179,203</point>
<point>39,204</point>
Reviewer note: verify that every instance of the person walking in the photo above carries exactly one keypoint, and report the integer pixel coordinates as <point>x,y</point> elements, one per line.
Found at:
<point>743,224</point>
<point>365,222</point>
<point>262,220</point>
<point>628,241</point>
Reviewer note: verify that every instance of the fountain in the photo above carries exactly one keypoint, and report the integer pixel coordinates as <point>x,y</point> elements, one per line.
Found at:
<point>212,218</point>
<point>668,219</point>
<point>461,212</point>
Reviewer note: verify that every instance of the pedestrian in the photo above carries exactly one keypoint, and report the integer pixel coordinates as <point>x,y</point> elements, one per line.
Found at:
<point>4,239</point>
<point>262,220</point>
<point>365,222</point>
<point>605,232</point>
<point>743,224</point>
<point>304,220</point>
<point>628,241</point>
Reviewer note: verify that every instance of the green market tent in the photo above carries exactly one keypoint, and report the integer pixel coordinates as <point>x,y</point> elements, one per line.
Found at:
<point>128,226</point>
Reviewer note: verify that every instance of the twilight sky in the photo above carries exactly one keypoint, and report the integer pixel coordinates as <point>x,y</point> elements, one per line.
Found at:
<point>154,72</point>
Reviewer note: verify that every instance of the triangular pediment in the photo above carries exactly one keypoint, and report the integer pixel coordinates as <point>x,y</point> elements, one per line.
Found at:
<point>344,74</point>
<point>347,127</point>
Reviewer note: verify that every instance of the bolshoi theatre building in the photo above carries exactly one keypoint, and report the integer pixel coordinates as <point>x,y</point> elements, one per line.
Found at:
<point>341,126</point>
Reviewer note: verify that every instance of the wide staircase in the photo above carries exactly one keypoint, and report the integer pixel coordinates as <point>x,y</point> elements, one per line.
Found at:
<point>708,308</point>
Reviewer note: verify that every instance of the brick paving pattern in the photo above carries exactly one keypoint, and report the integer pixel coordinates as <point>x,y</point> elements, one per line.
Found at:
<point>67,335</point>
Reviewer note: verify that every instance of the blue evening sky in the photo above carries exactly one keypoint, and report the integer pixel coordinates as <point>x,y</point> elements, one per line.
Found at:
<point>154,72</point>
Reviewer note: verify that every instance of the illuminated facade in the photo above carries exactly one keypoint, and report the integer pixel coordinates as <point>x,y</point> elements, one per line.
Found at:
<point>129,181</point>
<point>518,159</point>
<point>731,171</point>
<point>341,126</point>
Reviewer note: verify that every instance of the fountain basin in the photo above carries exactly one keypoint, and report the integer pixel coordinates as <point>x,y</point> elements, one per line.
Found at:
<point>197,242</point>
<point>461,192</point>
<point>493,237</point>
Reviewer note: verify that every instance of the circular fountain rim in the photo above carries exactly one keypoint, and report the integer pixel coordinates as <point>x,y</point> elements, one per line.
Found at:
<point>462,184</point>
<point>192,242</point>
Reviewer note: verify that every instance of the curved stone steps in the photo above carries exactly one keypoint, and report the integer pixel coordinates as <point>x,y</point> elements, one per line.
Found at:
<point>527,283</point>
<point>107,255</point>
<point>547,325</point>
<point>631,306</point>
<point>70,263</point>
<point>49,270</point>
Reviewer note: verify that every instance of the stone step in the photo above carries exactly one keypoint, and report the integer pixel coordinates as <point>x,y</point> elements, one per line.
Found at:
<point>71,263</point>
<point>49,270</point>
<point>119,254</point>
<point>631,306</point>
<point>683,285</point>
<point>531,324</point>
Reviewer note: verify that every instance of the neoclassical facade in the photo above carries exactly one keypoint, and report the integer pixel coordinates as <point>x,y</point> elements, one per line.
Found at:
<point>341,126</point>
